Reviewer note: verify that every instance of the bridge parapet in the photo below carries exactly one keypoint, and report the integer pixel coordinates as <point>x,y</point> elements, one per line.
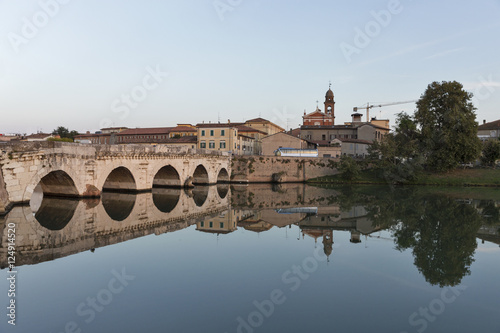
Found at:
<point>81,170</point>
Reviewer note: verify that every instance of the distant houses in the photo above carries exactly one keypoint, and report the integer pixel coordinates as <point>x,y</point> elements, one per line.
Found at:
<point>487,131</point>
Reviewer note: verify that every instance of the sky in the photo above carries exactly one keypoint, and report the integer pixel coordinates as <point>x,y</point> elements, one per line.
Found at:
<point>88,64</point>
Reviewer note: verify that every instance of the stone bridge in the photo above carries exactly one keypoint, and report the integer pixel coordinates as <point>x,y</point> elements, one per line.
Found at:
<point>53,228</point>
<point>76,170</point>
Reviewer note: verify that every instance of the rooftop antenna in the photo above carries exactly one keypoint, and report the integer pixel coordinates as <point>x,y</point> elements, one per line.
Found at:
<point>330,85</point>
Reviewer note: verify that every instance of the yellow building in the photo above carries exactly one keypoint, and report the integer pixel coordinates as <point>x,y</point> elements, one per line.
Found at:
<point>264,125</point>
<point>225,137</point>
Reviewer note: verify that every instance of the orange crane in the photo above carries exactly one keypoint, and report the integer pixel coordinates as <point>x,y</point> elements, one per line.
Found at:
<point>368,106</point>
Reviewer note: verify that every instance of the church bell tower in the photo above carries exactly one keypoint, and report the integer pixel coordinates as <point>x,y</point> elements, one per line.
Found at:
<point>330,103</point>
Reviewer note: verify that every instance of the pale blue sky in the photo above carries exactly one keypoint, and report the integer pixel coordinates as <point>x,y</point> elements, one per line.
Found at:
<point>264,58</point>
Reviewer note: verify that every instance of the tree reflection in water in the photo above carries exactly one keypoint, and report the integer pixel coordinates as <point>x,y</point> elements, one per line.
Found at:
<point>440,231</point>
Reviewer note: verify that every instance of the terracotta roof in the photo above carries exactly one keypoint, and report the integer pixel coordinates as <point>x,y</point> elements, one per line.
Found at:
<point>146,131</point>
<point>246,129</point>
<point>217,125</point>
<point>246,136</point>
<point>92,135</point>
<point>493,125</point>
<point>183,129</point>
<point>317,111</point>
<point>258,120</point>
<point>113,128</point>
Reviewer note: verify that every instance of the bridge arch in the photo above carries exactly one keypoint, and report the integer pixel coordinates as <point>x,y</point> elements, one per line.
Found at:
<point>55,182</point>
<point>167,176</point>
<point>120,179</point>
<point>200,176</point>
<point>223,176</point>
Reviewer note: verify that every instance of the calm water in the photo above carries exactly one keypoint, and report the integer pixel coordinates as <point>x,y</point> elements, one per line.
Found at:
<point>288,258</point>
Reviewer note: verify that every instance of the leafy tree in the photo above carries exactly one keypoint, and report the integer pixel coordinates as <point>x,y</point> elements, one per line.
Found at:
<point>491,152</point>
<point>447,121</point>
<point>349,168</point>
<point>398,156</point>
<point>63,132</point>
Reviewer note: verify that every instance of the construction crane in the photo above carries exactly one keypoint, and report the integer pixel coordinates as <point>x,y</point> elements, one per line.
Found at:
<point>369,106</point>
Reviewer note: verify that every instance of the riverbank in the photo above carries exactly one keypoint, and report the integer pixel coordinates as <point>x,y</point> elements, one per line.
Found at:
<point>458,177</point>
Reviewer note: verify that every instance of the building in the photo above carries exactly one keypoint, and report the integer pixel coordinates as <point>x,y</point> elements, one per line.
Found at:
<point>264,125</point>
<point>221,137</point>
<point>488,131</point>
<point>111,130</point>
<point>157,135</point>
<point>149,136</point>
<point>40,137</point>
<point>284,140</point>
<point>10,137</point>
<point>254,133</point>
<point>352,138</point>
<point>96,138</point>
<point>318,118</point>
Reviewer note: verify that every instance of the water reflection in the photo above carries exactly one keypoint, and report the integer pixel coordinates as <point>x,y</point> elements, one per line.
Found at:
<point>199,194</point>
<point>439,229</point>
<point>166,199</point>
<point>118,205</point>
<point>222,190</point>
<point>55,213</point>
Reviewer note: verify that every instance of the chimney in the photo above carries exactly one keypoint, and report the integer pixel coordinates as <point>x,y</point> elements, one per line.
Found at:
<point>88,132</point>
<point>484,121</point>
<point>229,121</point>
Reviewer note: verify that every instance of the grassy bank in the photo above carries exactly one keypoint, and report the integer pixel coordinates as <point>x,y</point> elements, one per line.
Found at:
<point>458,177</point>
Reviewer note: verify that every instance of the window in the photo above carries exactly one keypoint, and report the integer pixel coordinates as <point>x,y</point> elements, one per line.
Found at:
<point>211,144</point>
<point>211,224</point>
<point>202,224</point>
<point>222,144</point>
<point>203,144</point>
<point>221,224</point>
<point>202,132</point>
<point>222,132</point>
<point>323,137</point>
<point>211,132</point>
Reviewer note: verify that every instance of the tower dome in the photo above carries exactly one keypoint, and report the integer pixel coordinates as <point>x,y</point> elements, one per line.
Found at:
<point>329,94</point>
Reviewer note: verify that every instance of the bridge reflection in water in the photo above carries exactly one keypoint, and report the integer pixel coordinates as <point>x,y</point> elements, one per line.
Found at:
<point>52,228</point>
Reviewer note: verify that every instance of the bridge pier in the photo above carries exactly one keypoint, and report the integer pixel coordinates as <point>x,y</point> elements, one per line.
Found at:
<point>76,170</point>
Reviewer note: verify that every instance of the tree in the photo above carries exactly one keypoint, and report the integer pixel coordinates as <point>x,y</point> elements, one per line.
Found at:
<point>397,156</point>
<point>447,121</point>
<point>491,152</point>
<point>349,167</point>
<point>63,132</point>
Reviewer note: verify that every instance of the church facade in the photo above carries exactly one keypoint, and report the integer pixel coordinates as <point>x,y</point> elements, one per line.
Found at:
<point>354,137</point>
